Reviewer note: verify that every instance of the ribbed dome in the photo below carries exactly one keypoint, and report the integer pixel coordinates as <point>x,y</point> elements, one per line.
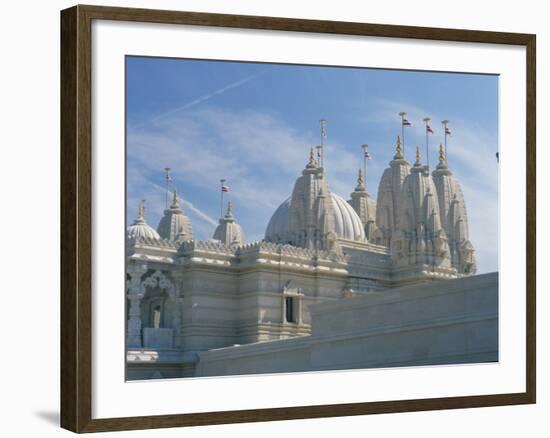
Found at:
<point>229,231</point>
<point>140,228</point>
<point>347,223</point>
<point>174,225</point>
<point>277,228</point>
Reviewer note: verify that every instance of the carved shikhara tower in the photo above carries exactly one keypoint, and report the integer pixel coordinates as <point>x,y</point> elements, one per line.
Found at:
<point>188,296</point>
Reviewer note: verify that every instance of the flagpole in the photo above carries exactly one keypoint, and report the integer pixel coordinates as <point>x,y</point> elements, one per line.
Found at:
<point>222,181</point>
<point>403,114</point>
<point>426,120</point>
<point>323,135</point>
<point>365,147</point>
<point>319,155</point>
<point>167,179</point>
<point>446,133</point>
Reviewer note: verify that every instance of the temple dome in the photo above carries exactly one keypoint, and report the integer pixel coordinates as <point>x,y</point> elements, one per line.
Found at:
<point>277,228</point>
<point>140,228</point>
<point>175,225</point>
<point>347,223</point>
<point>229,231</point>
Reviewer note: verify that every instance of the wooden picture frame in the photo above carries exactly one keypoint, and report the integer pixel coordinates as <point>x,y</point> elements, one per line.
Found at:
<point>76,217</point>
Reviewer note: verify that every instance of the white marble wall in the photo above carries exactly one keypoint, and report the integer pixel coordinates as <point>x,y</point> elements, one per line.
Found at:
<point>437,322</point>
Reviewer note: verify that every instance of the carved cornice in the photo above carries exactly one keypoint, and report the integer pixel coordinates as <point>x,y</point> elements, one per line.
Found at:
<point>148,242</point>
<point>283,251</point>
<point>192,247</point>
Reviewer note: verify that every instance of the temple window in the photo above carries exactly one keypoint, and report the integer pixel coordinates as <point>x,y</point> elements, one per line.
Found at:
<point>156,317</point>
<point>290,309</point>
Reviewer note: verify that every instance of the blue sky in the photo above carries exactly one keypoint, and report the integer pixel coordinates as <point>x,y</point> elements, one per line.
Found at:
<point>253,124</point>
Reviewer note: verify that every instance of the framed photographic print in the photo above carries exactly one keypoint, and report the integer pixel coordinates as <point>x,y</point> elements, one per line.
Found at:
<point>304,218</point>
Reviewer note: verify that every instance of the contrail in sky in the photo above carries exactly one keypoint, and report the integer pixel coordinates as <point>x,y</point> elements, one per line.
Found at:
<point>199,213</point>
<point>188,205</point>
<point>207,96</point>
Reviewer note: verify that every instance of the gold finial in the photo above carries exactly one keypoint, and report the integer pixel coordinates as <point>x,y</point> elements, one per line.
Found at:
<point>175,201</point>
<point>141,210</point>
<point>398,149</point>
<point>441,154</point>
<point>417,155</point>
<point>229,210</point>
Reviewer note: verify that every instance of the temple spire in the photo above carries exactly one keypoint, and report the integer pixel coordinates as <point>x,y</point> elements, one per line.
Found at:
<point>228,231</point>
<point>229,213</point>
<point>398,150</point>
<point>312,162</point>
<point>141,210</point>
<point>360,181</point>
<point>442,160</point>
<point>175,200</point>
<point>417,162</point>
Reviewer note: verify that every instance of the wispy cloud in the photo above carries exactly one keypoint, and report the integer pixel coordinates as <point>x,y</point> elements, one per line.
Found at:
<point>250,149</point>
<point>256,151</point>
<point>201,99</point>
<point>258,154</point>
<point>261,155</point>
<point>186,204</point>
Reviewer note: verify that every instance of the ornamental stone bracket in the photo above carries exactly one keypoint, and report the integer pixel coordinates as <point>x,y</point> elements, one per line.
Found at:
<point>160,280</point>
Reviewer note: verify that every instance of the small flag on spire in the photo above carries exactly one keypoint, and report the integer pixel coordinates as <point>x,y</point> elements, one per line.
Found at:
<point>429,129</point>
<point>406,122</point>
<point>447,131</point>
<point>368,156</point>
<point>225,188</point>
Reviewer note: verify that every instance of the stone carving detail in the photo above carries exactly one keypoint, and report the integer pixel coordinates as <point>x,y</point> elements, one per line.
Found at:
<point>229,232</point>
<point>158,279</point>
<point>159,243</point>
<point>389,192</point>
<point>313,216</point>
<point>209,246</point>
<point>454,217</point>
<point>135,294</point>
<point>138,283</point>
<point>175,225</point>
<point>416,229</point>
<point>289,251</point>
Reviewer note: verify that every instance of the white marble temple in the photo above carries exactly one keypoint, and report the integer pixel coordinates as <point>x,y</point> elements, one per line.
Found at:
<point>189,298</point>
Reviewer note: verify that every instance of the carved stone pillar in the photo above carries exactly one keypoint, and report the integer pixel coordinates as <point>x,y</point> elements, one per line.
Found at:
<point>176,321</point>
<point>134,321</point>
<point>135,295</point>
